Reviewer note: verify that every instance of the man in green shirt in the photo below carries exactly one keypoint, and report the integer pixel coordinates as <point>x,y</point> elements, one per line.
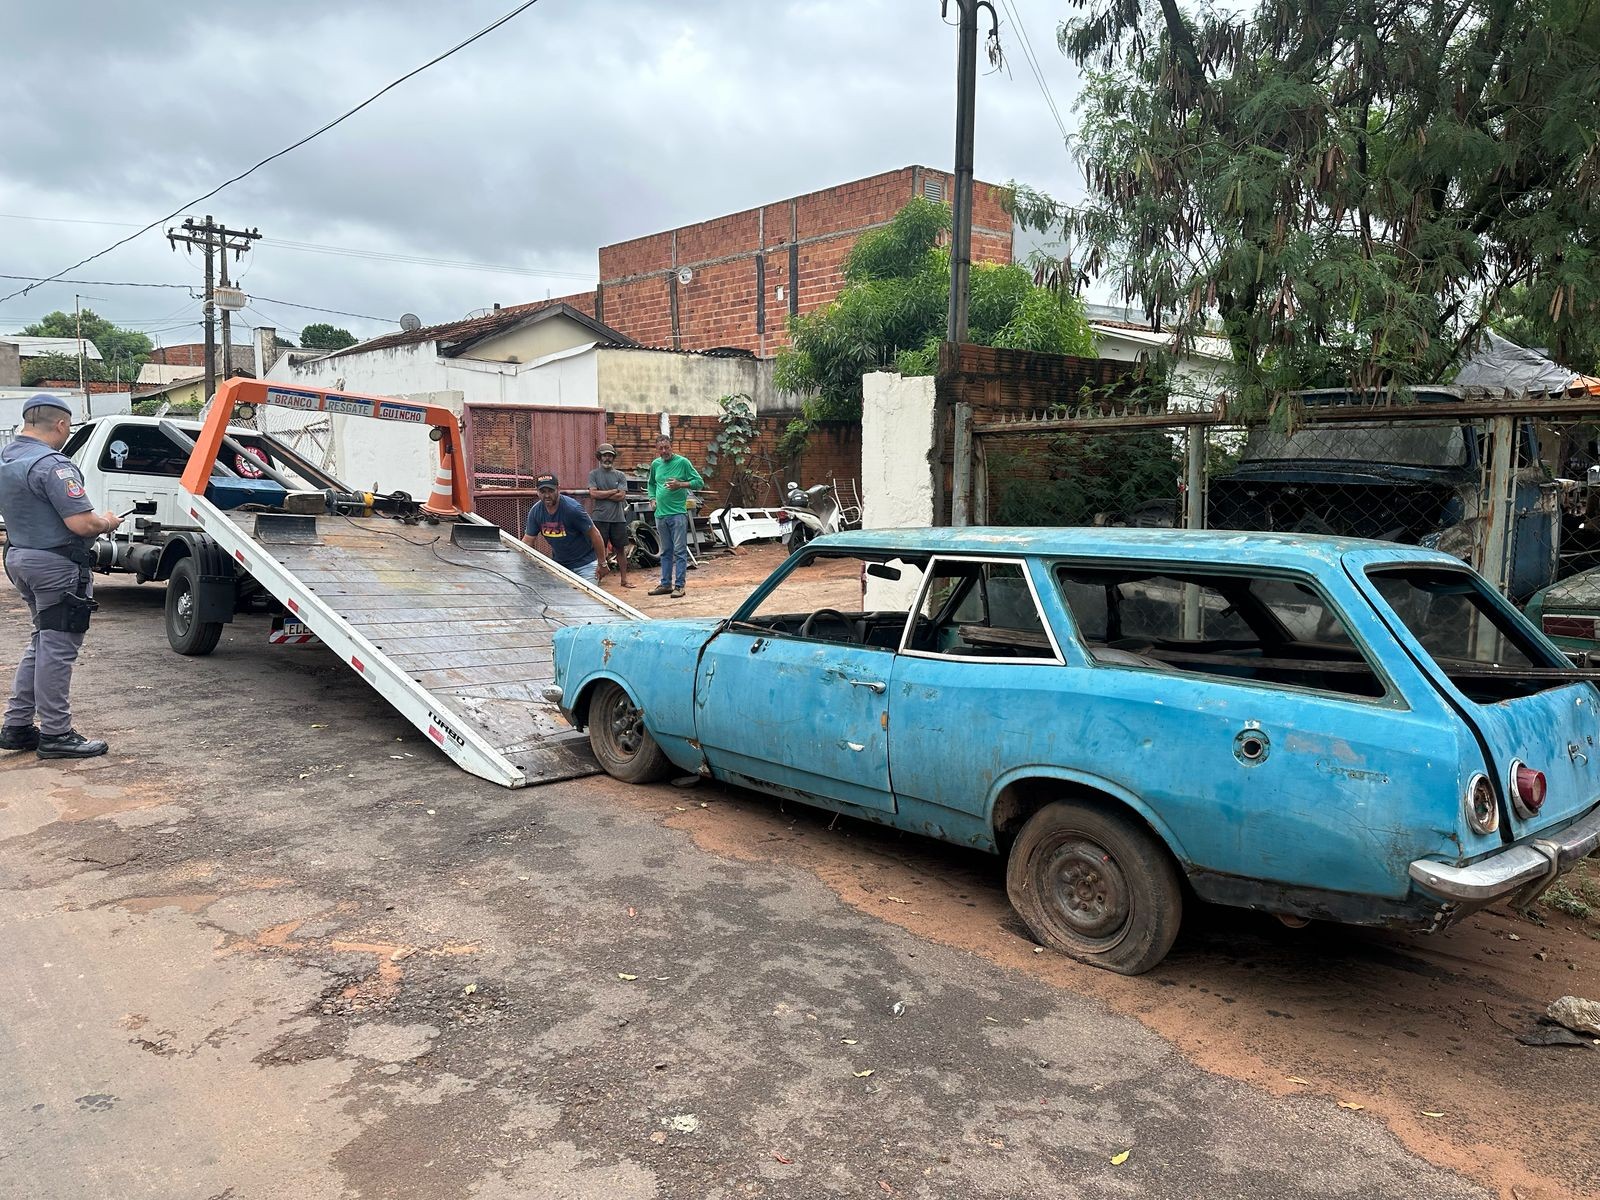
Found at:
<point>672,478</point>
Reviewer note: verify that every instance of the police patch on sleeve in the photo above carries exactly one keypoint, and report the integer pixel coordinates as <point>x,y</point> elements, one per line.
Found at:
<point>75,489</point>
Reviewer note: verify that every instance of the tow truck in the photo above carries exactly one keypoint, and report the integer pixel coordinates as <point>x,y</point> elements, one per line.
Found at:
<point>446,616</point>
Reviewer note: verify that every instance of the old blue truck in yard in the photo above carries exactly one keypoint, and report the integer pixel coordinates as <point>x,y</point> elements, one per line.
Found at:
<point>1315,727</point>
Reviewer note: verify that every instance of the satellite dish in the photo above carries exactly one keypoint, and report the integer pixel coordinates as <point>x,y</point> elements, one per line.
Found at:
<point>685,275</point>
<point>410,322</point>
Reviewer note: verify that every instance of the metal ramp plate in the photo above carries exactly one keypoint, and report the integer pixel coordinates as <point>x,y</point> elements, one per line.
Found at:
<point>458,640</point>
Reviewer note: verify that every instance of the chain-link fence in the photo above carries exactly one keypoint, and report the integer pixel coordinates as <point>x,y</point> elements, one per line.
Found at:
<point>1507,484</point>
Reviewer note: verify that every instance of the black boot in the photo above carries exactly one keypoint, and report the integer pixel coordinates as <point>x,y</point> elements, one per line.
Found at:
<point>70,744</point>
<point>19,737</point>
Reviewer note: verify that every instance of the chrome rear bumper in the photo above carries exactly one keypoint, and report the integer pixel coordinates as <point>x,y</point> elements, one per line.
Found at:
<point>1528,864</point>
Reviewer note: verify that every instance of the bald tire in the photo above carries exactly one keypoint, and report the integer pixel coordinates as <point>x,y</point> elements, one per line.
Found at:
<point>1097,886</point>
<point>619,739</point>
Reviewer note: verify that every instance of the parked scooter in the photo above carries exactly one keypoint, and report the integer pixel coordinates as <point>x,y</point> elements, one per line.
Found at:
<point>810,513</point>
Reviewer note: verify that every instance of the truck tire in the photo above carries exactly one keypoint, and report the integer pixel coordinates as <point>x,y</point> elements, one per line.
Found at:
<point>185,634</point>
<point>1096,886</point>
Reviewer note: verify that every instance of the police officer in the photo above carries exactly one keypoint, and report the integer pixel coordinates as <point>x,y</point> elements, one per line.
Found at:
<point>50,529</point>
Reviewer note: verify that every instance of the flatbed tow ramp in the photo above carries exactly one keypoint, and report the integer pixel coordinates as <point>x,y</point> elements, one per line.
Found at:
<point>449,618</point>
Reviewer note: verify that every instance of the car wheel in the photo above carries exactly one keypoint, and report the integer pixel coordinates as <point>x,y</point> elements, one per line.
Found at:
<point>1096,886</point>
<point>619,739</point>
<point>185,634</point>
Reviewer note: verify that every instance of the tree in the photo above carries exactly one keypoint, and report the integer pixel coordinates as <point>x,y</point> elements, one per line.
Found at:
<point>36,371</point>
<point>122,351</point>
<point>1350,188</point>
<point>318,336</point>
<point>891,313</point>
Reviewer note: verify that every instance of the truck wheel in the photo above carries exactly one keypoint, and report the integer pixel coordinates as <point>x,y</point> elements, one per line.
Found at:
<point>185,634</point>
<point>1095,886</point>
<point>619,739</point>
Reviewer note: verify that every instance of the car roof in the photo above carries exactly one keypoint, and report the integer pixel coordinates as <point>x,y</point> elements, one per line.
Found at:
<point>1174,545</point>
<point>187,424</point>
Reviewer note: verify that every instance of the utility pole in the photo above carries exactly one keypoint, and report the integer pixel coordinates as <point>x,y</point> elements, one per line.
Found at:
<point>77,318</point>
<point>961,206</point>
<point>218,239</point>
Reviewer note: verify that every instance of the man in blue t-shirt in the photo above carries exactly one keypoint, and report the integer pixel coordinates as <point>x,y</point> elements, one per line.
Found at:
<point>559,528</point>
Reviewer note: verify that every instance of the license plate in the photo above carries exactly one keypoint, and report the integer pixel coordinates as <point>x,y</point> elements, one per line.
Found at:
<point>290,633</point>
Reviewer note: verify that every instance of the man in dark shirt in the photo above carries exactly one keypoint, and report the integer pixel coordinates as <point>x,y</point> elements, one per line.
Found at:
<point>559,528</point>
<point>608,488</point>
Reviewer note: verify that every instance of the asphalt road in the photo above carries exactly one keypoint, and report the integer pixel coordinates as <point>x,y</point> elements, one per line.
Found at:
<point>275,946</point>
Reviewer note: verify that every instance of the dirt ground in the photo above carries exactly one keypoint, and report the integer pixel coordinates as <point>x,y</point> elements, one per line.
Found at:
<point>274,945</point>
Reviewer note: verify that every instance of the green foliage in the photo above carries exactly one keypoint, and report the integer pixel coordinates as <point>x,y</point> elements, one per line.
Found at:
<point>1349,188</point>
<point>738,419</point>
<point>1524,317</point>
<point>59,366</point>
<point>318,336</point>
<point>1105,476</point>
<point>892,310</point>
<point>122,351</point>
<point>149,408</point>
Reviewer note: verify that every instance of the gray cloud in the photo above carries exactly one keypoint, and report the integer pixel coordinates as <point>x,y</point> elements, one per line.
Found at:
<point>576,125</point>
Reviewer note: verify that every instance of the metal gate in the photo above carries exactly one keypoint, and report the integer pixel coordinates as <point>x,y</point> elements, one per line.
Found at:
<point>508,446</point>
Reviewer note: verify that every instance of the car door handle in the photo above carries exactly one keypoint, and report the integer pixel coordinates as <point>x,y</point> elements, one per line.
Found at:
<point>876,687</point>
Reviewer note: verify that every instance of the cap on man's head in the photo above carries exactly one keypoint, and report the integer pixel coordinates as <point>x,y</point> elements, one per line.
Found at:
<point>604,449</point>
<point>541,482</point>
<point>34,403</point>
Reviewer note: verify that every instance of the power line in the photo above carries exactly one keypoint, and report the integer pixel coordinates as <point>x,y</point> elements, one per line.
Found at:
<point>457,264</point>
<point>424,261</point>
<point>335,311</point>
<point>338,312</point>
<point>1033,65</point>
<point>99,282</point>
<point>487,29</point>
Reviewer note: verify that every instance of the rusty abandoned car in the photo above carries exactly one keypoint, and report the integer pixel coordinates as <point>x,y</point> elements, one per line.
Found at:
<point>1318,728</point>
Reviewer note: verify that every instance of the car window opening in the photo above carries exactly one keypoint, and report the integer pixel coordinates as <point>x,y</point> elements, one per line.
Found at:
<point>980,609</point>
<point>1484,651</point>
<point>1264,629</point>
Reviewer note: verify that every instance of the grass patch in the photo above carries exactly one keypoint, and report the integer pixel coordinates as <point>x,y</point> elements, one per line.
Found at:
<point>1577,895</point>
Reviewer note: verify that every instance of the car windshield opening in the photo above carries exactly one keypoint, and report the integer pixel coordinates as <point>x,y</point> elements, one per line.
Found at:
<point>1265,629</point>
<point>834,597</point>
<point>1487,653</point>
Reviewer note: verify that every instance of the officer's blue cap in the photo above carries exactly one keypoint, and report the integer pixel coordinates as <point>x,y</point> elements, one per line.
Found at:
<point>55,402</point>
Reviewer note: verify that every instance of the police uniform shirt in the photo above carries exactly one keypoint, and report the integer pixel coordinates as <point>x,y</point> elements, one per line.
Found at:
<point>38,488</point>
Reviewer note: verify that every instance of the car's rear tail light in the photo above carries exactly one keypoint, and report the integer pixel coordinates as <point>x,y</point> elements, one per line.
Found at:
<point>1527,789</point>
<point>1572,627</point>
<point>1483,814</point>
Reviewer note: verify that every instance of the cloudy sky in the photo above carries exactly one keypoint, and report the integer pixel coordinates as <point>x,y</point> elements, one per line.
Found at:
<point>578,124</point>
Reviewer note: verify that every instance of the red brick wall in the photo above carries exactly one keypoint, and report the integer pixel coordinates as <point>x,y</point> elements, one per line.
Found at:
<point>720,303</point>
<point>834,451</point>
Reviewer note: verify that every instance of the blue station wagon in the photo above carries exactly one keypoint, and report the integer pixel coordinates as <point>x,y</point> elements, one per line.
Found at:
<point>1319,728</point>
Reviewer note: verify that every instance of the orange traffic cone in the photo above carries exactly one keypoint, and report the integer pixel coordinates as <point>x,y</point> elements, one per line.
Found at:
<point>442,503</point>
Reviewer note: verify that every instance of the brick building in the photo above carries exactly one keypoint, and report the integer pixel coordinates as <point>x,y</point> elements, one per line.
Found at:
<point>736,280</point>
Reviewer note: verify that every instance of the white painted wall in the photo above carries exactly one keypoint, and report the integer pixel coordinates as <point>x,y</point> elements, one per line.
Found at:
<point>896,439</point>
<point>686,385</point>
<point>101,404</point>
